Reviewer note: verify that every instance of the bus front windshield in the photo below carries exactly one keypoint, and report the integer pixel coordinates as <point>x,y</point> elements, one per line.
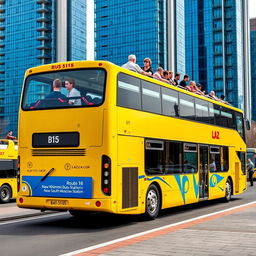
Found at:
<point>64,89</point>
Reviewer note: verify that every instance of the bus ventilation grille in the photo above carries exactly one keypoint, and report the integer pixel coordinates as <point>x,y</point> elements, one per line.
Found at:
<point>59,152</point>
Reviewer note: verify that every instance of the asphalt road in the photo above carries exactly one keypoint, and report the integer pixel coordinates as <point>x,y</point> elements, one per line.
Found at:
<point>55,235</point>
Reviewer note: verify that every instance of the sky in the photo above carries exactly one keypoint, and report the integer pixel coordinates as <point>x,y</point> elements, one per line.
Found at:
<point>90,25</point>
<point>252,8</point>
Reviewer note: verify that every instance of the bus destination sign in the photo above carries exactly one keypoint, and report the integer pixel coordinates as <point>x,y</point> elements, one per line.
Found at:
<point>51,139</point>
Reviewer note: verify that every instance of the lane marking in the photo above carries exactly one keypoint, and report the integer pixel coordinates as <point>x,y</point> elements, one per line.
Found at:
<point>31,218</point>
<point>132,239</point>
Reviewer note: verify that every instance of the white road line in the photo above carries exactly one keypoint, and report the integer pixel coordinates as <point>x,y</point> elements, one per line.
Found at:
<point>32,218</point>
<point>152,230</point>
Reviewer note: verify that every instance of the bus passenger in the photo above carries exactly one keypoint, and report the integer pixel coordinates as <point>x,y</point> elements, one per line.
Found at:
<point>193,88</point>
<point>131,65</point>
<point>56,94</point>
<point>166,75</point>
<point>212,166</point>
<point>73,93</point>
<point>222,99</point>
<point>159,75</point>
<point>185,80</point>
<point>177,79</point>
<point>147,66</point>
<point>171,81</point>
<point>213,96</point>
<point>200,88</point>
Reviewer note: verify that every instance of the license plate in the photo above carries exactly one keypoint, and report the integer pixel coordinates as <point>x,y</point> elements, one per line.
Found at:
<point>57,202</point>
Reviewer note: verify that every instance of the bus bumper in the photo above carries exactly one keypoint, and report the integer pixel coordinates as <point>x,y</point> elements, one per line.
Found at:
<point>64,204</point>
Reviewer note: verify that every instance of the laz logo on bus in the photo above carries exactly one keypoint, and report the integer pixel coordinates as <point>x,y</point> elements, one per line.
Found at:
<point>216,135</point>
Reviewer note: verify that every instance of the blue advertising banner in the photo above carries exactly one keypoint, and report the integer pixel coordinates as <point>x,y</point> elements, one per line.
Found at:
<point>70,187</point>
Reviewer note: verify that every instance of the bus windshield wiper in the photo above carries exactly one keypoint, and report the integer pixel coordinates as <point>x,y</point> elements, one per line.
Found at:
<point>47,174</point>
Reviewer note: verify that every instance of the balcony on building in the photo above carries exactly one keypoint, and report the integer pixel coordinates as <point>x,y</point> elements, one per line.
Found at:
<point>43,10</point>
<point>43,56</point>
<point>43,47</point>
<point>2,10</point>
<point>2,1</point>
<point>42,19</point>
<point>43,1</point>
<point>2,18</point>
<point>2,27</point>
<point>2,52</point>
<point>42,28</point>
<point>43,38</point>
<point>2,35</point>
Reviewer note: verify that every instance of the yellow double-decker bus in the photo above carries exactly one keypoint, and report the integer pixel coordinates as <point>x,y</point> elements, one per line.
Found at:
<point>8,170</point>
<point>125,144</point>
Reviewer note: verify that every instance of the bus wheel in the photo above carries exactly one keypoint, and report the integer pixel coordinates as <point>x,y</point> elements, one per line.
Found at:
<point>5,194</point>
<point>152,202</point>
<point>228,191</point>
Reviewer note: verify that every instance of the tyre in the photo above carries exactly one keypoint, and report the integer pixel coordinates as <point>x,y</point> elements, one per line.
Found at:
<point>153,202</point>
<point>228,192</point>
<point>5,194</point>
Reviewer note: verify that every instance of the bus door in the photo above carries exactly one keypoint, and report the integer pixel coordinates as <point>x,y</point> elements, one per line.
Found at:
<point>203,172</point>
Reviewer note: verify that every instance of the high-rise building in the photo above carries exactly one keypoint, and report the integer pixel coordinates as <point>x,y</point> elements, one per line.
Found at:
<point>253,65</point>
<point>34,33</point>
<point>145,28</point>
<point>217,44</point>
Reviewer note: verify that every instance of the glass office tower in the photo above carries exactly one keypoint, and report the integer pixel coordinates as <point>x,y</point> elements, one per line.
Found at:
<point>217,48</point>
<point>141,28</point>
<point>32,33</point>
<point>253,65</point>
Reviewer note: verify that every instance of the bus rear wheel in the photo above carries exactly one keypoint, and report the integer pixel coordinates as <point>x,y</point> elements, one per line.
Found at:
<point>228,192</point>
<point>5,194</point>
<point>153,202</point>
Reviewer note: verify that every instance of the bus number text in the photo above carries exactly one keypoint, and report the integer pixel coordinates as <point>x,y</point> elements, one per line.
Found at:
<point>216,135</point>
<point>53,139</point>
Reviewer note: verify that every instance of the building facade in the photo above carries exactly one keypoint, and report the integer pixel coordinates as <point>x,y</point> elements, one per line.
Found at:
<point>145,30</point>
<point>31,34</point>
<point>253,65</point>
<point>217,48</point>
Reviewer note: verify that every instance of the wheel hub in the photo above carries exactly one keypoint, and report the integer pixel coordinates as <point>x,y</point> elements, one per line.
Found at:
<point>152,201</point>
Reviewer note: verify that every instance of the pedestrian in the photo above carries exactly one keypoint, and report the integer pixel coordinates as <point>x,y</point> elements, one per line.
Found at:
<point>250,168</point>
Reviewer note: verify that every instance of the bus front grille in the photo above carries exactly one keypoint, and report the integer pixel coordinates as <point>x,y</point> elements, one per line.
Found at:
<point>58,152</point>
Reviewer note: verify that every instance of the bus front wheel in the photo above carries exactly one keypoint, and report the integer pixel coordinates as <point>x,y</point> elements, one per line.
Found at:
<point>153,202</point>
<point>5,194</point>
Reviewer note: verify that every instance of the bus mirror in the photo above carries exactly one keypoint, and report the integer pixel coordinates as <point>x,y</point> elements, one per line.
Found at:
<point>248,124</point>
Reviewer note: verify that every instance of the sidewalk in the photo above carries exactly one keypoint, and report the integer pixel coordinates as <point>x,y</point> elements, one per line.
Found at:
<point>11,211</point>
<point>229,232</point>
